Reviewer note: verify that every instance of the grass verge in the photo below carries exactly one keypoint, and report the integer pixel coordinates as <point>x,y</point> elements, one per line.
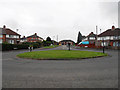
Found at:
<point>60,54</point>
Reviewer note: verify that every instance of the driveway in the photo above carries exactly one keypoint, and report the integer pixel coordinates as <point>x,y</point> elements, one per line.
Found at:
<point>83,73</point>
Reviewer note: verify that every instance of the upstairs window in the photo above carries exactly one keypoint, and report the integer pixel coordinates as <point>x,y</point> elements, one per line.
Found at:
<point>92,38</point>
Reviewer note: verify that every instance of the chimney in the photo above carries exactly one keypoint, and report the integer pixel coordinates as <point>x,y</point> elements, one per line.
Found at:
<point>113,27</point>
<point>91,32</point>
<point>36,34</point>
<point>23,36</point>
<point>4,26</point>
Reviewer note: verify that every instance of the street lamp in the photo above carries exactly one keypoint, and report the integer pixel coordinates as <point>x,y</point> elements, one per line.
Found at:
<point>103,47</point>
<point>53,40</point>
<point>16,36</point>
<point>69,46</point>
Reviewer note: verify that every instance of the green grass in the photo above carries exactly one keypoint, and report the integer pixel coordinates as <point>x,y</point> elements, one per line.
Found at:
<point>53,46</point>
<point>60,54</point>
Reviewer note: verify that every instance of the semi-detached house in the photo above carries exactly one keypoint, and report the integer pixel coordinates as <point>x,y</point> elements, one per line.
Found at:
<point>9,36</point>
<point>111,37</point>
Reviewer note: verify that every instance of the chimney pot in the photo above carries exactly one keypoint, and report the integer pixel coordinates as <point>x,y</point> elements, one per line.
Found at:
<point>91,32</point>
<point>4,26</point>
<point>113,27</point>
<point>35,33</point>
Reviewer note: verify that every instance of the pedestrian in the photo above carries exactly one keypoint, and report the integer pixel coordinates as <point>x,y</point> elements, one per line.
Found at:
<point>30,48</point>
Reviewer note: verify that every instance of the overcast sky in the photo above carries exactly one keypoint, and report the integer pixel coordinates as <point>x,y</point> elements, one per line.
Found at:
<point>64,18</point>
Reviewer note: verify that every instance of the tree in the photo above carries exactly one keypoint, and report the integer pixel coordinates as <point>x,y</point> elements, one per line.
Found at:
<point>79,39</point>
<point>48,39</point>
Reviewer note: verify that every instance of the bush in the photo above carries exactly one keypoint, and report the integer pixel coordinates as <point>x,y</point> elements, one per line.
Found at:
<point>6,47</point>
<point>20,46</point>
<point>47,43</point>
<point>34,44</point>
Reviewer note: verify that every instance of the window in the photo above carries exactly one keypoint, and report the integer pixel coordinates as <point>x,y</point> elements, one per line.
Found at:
<point>0,40</point>
<point>1,36</point>
<point>17,36</point>
<point>117,44</point>
<point>103,38</point>
<point>113,43</point>
<point>7,36</point>
<point>105,44</point>
<point>107,37</point>
<point>111,38</point>
<point>92,38</point>
<point>99,38</point>
<point>11,41</point>
<point>115,37</point>
<point>11,36</point>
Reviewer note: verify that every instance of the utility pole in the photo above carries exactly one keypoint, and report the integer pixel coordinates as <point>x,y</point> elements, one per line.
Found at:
<point>53,40</point>
<point>57,38</point>
<point>100,31</point>
<point>96,36</point>
<point>96,30</point>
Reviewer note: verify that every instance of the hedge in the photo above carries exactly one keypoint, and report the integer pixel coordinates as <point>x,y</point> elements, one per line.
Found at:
<point>6,47</point>
<point>20,46</point>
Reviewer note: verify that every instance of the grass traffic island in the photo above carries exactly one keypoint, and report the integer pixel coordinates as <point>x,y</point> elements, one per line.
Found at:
<point>60,55</point>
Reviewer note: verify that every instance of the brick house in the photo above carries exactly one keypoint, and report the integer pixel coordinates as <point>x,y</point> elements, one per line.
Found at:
<point>32,38</point>
<point>65,42</point>
<point>23,39</point>
<point>111,38</point>
<point>91,38</point>
<point>9,36</point>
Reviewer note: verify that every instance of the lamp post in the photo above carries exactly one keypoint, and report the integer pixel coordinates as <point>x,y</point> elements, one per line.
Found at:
<point>69,46</point>
<point>53,40</point>
<point>16,36</point>
<point>103,47</point>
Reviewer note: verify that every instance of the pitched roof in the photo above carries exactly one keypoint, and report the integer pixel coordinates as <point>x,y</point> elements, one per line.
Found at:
<point>34,35</point>
<point>2,31</point>
<point>83,37</point>
<point>8,31</point>
<point>92,35</point>
<point>67,41</point>
<point>110,32</point>
<point>11,32</point>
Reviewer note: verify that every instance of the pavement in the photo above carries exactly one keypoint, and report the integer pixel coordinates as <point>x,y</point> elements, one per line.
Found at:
<point>99,72</point>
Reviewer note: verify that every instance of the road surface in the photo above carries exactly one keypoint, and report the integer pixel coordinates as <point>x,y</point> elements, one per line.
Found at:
<point>83,73</point>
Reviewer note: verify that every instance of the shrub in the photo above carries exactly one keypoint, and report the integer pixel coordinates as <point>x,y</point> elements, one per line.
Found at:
<point>34,44</point>
<point>20,46</point>
<point>47,43</point>
<point>6,47</point>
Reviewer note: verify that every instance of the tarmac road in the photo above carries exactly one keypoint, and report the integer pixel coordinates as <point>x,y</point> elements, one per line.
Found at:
<point>83,73</point>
